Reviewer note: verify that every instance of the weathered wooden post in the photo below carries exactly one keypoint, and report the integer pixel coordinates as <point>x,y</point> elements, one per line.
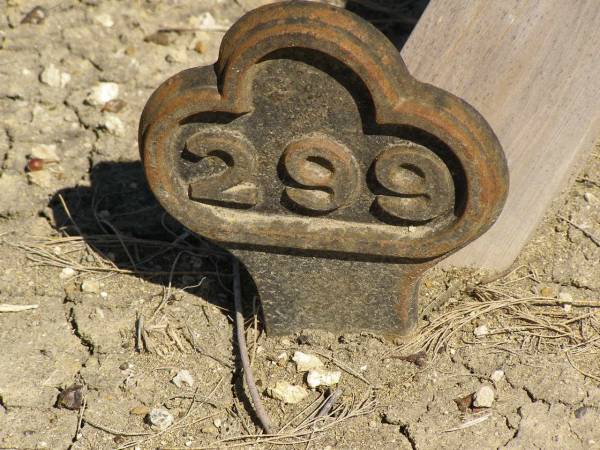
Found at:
<point>336,178</point>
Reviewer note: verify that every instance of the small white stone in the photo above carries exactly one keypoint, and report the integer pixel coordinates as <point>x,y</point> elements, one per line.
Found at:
<point>183,377</point>
<point>217,423</point>
<point>484,397</point>
<point>363,368</point>
<point>104,19</point>
<point>204,20</point>
<point>481,330</point>
<point>102,93</point>
<point>160,418</point>
<point>565,297</point>
<point>567,307</point>
<point>114,125</point>
<point>281,359</point>
<point>497,375</point>
<point>306,361</point>
<point>90,286</point>
<point>104,295</point>
<point>47,152</point>
<point>51,76</point>
<point>287,393</point>
<point>67,273</point>
<point>590,198</point>
<point>323,377</point>
<point>65,78</point>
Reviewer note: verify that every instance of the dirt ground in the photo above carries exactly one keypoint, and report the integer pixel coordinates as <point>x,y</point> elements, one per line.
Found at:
<point>84,240</point>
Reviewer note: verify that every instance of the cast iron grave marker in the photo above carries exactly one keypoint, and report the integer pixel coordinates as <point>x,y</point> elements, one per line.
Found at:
<point>336,178</point>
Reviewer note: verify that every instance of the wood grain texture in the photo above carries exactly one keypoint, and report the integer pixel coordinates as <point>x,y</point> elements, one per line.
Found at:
<point>532,68</point>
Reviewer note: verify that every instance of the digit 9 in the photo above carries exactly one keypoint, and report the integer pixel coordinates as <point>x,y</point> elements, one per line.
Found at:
<point>326,173</point>
<point>417,184</point>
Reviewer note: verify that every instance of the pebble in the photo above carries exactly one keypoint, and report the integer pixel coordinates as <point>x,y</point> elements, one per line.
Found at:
<point>90,286</point>
<point>36,16</point>
<point>160,418</point>
<point>67,273</point>
<point>210,429</point>
<point>481,330</point>
<point>139,410</point>
<point>582,411</point>
<point>547,291</point>
<point>35,164</point>
<point>282,359</point>
<point>204,20</point>
<point>183,377</point>
<point>497,375</point>
<point>287,393</point>
<point>70,398</point>
<point>160,38</point>
<point>565,297</point>
<point>104,295</point>
<point>47,152</point>
<point>590,198</point>
<point>200,47</point>
<point>484,397</point>
<point>104,19</point>
<point>114,106</point>
<point>323,377</point>
<point>306,361</point>
<point>464,403</point>
<point>103,93</point>
<point>53,77</point>
<point>114,125</point>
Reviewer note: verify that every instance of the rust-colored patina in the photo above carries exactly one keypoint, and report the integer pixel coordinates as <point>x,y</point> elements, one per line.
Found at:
<point>310,152</point>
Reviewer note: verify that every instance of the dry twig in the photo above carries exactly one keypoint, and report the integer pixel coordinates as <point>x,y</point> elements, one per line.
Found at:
<point>243,349</point>
<point>5,307</point>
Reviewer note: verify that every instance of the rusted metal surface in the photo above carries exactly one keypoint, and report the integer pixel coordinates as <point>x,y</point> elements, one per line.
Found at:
<point>336,178</point>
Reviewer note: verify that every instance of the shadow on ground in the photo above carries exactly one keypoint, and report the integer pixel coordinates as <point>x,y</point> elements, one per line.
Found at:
<point>120,219</point>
